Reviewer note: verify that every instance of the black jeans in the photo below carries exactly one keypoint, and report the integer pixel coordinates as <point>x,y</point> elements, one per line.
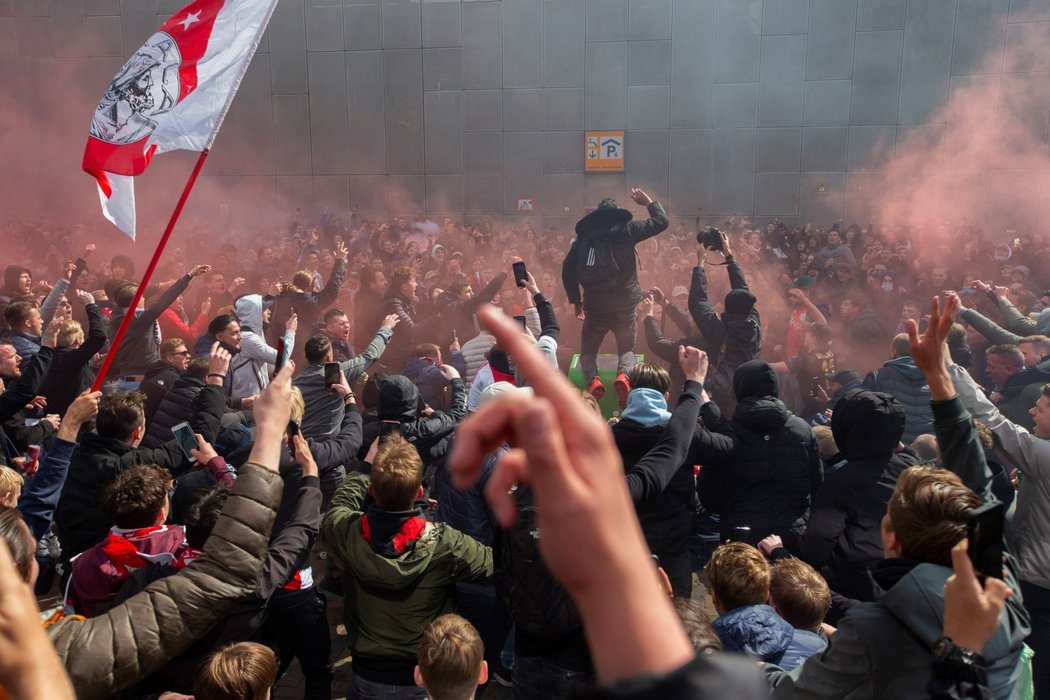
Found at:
<point>1037,602</point>
<point>298,627</point>
<point>539,678</point>
<point>596,324</point>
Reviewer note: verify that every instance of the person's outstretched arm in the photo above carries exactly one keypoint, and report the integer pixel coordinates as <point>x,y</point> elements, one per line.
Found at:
<point>991,330</point>
<point>704,315</point>
<point>109,653</point>
<point>642,229</point>
<point>654,471</point>
<point>566,453</point>
<point>328,295</point>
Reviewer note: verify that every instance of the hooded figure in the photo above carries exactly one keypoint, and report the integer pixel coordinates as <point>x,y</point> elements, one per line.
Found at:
<point>602,262</point>
<point>762,469</point>
<point>844,538</point>
<point>733,339</point>
<point>252,366</point>
<point>400,403</point>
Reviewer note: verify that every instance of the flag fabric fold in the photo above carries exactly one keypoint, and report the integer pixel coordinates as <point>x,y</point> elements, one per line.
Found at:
<point>172,94</point>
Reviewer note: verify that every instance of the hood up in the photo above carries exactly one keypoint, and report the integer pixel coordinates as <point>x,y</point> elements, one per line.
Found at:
<point>398,399</point>
<point>867,424</point>
<point>249,310</point>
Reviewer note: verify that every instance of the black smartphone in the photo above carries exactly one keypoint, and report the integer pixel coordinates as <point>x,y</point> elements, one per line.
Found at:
<point>519,273</point>
<point>293,430</point>
<point>815,385</point>
<point>187,440</point>
<point>741,534</point>
<point>389,426</point>
<point>984,530</point>
<point>280,356</point>
<point>521,320</point>
<point>332,370</point>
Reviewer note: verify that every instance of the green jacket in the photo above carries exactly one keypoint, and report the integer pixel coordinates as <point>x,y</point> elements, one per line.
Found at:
<point>389,602</point>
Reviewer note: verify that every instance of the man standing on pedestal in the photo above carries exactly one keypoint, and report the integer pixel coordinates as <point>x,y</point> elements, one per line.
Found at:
<point>601,260</point>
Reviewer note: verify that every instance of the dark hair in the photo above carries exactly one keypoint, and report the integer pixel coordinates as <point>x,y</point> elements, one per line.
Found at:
<point>123,261</point>
<point>136,496</point>
<point>928,510</point>
<point>14,532</point>
<point>198,367</point>
<point>15,314</point>
<point>120,414</point>
<point>332,313</point>
<point>317,349</point>
<point>219,323</point>
<point>646,375</point>
<point>202,515</point>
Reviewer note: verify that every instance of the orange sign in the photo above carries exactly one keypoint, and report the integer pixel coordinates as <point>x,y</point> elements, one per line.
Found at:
<point>603,151</point>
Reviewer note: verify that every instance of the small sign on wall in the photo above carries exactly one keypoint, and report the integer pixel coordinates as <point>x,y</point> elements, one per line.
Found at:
<point>603,151</point>
<point>525,205</point>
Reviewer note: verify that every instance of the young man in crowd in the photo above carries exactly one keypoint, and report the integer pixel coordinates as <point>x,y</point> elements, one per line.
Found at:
<point>450,663</point>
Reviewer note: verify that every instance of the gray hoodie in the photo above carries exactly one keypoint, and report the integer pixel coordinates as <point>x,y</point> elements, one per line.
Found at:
<point>251,367</point>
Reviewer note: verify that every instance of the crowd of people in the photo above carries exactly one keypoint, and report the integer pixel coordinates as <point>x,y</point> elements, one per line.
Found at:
<point>805,457</point>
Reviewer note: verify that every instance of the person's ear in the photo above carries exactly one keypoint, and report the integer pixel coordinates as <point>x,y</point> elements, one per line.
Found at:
<point>417,676</point>
<point>483,673</point>
<point>419,493</point>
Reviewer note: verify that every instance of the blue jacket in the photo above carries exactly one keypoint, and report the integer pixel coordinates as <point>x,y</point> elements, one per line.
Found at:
<point>40,495</point>
<point>758,631</point>
<point>901,379</point>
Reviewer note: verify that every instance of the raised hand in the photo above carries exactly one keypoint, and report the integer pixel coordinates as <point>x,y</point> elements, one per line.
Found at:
<point>199,270</point>
<point>85,298</point>
<point>270,412</point>
<point>342,252</point>
<point>204,452</point>
<point>391,321</point>
<point>292,324</point>
<point>641,197</point>
<point>694,363</point>
<point>218,364</point>
<point>971,613</point>
<point>303,457</point>
<point>50,337</point>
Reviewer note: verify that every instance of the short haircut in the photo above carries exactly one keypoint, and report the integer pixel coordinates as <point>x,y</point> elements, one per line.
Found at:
<point>219,323</point>
<point>317,349</point>
<point>68,332</point>
<point>136,496</point>
<point>697,627</point>
<point>18,313</point>
<point>900,345</point>
<point>928,511</point>
<point>1041,343</point>
<point>1012,352</point>
<point>14,532</point>
<point>334,312</point>
<point>198,367</point>
<point>925,446</point>
<point>124,294</point>
<point>402,274</point>
<point>449,657</point>
<point>825,441</point>
<point>739,575</point>
<point>397,474</point>
<point>303,281</point>
<point>170,345</point>
<point>856,300</point>
<point>119,414</point>
<point>592,403</point>
<point>427,350</point>
<point>10,481</point>
<point>646,375</point>
<point>800,594</point>
<point>202,515</point>
<point>243,671</point>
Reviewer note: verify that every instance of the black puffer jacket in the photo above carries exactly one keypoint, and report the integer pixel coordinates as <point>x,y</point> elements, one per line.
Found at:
<point>844,537</point>
<point>901,379</point>
<point>762,469</point>
<point>667,518</point>
<point>432,437</point>
<point>174,408</point>
<point>159,378</point>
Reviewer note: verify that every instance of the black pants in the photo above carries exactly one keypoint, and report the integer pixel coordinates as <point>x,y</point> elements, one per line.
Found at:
<point>482,607</point>
<point>596,324</point>
<point>297,627</point>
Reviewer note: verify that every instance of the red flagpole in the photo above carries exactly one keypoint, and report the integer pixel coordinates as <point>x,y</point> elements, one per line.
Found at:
<point>130,314</point>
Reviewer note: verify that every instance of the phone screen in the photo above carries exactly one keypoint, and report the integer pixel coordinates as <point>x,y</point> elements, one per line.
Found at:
<point>741,534</point>
<point>389,426</point>
<point>293,430</point>
<point>984,530</point>
<point>184,434</point>
<point>519,273</point>
<point>332,371</point>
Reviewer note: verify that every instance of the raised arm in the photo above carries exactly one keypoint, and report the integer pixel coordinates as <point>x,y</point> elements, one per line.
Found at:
<point>640,230</point>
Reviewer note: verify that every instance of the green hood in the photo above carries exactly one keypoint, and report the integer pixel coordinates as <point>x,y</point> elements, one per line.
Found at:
<point>397,574</point>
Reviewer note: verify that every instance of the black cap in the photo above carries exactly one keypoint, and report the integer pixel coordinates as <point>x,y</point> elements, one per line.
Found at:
<point>844,376</point>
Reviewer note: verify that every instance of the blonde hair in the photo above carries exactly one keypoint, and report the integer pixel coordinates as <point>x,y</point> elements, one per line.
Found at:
<point>244,671</point>
<point>449,658</point>
<point>68,332</point>
<point>298,405</point>
<point>10,481</point>
<point>397,474</point>
<point>739,575</point>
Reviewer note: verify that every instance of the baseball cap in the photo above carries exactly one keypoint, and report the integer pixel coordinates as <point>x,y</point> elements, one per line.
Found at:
<point>844,376</point>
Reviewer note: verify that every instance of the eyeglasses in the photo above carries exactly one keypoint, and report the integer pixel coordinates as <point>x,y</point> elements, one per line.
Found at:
<point>181,353</point>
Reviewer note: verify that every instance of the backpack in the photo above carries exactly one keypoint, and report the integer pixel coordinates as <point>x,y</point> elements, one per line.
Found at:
<point>596,266</point>
<point>538,604</point>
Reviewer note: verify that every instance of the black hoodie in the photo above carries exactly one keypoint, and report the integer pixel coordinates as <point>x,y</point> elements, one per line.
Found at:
<point>762,469</point>
<point>844,536</point>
